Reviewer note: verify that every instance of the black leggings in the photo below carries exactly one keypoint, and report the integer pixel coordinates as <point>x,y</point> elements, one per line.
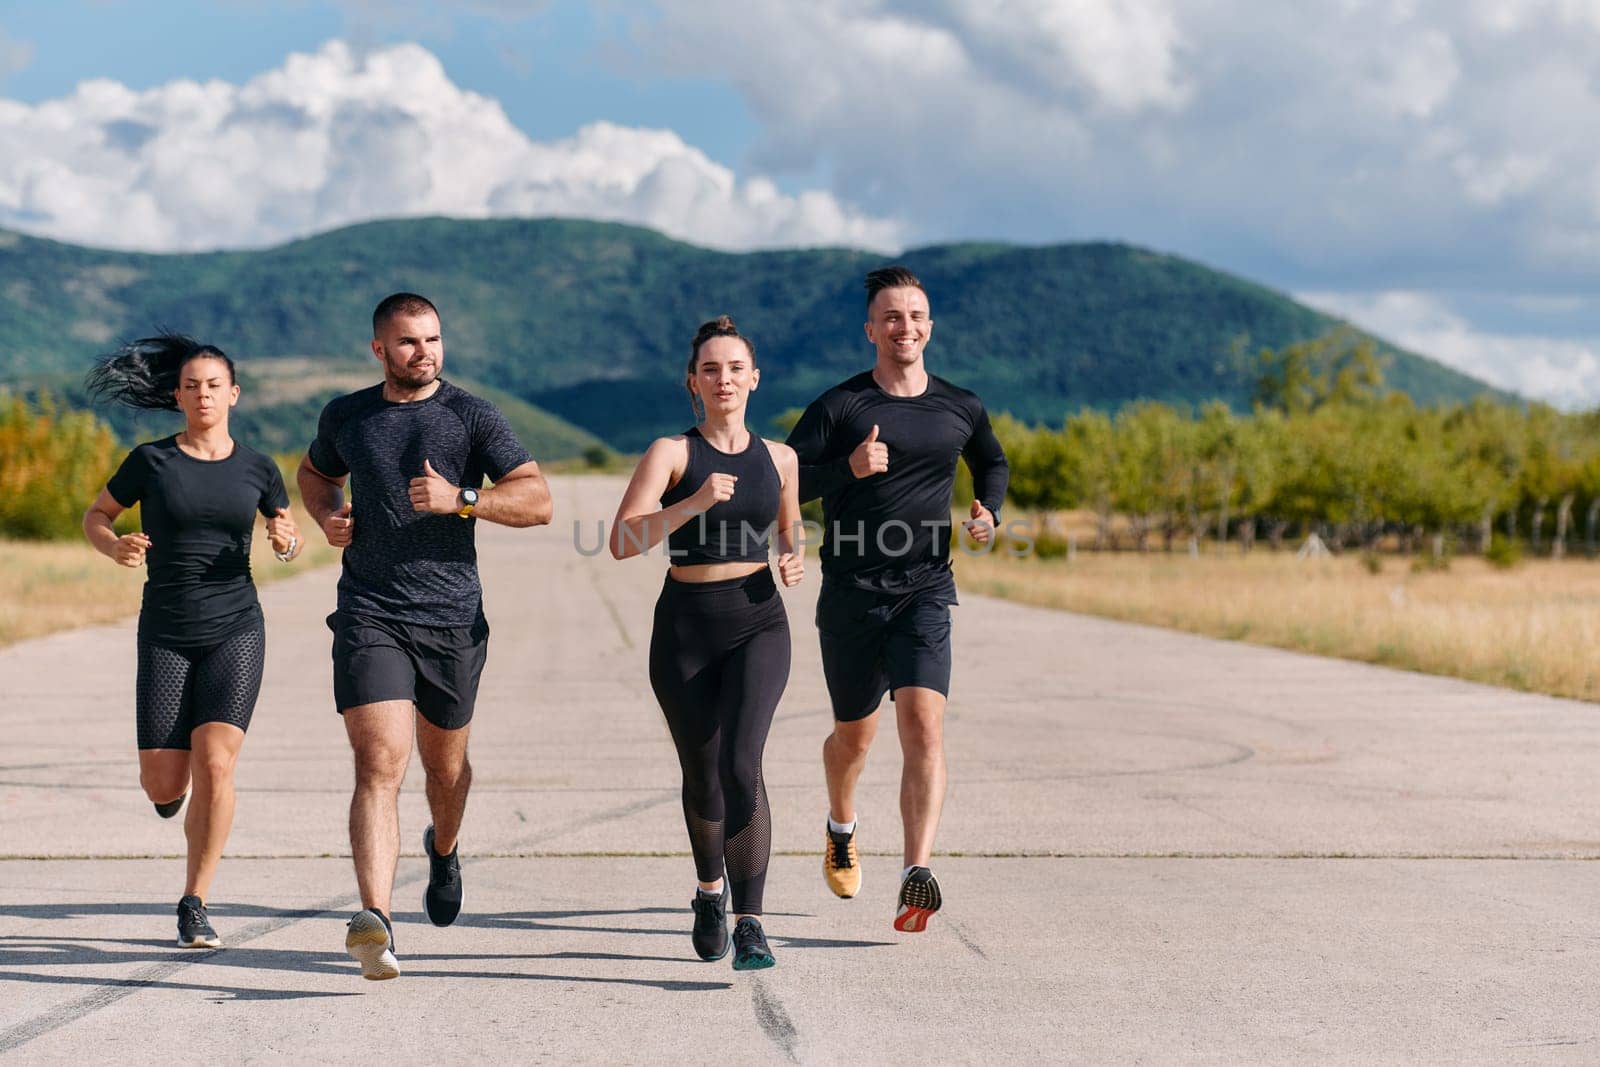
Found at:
<point>719,659</point>
<point>181,688</point>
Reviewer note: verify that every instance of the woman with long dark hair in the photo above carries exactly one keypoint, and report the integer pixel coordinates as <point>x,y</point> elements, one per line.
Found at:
<point>719,653</point>
<point>202,641</point>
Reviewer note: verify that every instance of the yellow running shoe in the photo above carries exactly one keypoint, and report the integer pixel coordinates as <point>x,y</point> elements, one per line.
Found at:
<point>841,864</point>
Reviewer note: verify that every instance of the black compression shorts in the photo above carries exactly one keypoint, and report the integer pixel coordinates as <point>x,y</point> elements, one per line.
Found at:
<point>179,689</point>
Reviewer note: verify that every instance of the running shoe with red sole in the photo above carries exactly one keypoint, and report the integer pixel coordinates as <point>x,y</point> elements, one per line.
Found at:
<point>919,899</point>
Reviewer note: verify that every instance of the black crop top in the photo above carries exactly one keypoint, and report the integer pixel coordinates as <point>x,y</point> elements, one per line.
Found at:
<point>733,531</point>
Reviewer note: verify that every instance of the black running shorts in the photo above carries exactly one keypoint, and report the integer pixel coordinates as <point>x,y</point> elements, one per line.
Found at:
<point>436,668</point>
<point>179,689</point>
<point>874,643</point>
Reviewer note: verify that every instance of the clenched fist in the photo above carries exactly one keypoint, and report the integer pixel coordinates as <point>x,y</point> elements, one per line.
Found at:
<point>714,490</point>
<point>791,568</point>
<point>131,548</point>
<point>283,533</point>
<point>981,527</point>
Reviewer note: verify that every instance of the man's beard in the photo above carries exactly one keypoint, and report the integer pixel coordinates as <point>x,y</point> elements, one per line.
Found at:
<point>413,377</point>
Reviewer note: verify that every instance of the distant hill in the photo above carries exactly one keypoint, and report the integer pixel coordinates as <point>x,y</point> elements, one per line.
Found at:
<point>588,323</point>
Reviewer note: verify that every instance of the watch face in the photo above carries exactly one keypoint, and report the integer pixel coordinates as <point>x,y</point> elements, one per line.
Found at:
<point>469,496</point>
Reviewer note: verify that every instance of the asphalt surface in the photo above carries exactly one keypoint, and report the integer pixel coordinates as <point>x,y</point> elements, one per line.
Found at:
<point>1156,848</point>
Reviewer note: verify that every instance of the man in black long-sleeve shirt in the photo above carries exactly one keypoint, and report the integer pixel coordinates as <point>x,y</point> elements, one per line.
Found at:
<point>880,449</point>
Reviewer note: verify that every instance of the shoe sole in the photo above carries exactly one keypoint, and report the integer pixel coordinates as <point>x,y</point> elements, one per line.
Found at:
<point>913,920</point>
<point>368,944</point>
<point>753,963</point>
<point>201,942</point>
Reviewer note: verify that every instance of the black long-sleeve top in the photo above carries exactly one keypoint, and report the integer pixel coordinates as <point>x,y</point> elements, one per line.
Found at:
<point>890,532</point>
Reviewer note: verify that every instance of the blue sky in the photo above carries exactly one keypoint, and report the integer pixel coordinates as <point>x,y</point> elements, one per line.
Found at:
<point>1426,168</point>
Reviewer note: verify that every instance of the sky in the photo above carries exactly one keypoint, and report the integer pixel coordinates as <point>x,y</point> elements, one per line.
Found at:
<point>1427,169</point>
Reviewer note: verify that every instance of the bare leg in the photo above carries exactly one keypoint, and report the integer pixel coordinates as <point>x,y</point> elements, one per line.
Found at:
<point>210,815</point>
<point>380,738</point>
<point>163,773</point>
<point>844,757</point>
<point>449,776</point>
<point>919,714</point>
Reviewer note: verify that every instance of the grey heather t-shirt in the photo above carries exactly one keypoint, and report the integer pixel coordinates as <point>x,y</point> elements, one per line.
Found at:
<point>402,564</point>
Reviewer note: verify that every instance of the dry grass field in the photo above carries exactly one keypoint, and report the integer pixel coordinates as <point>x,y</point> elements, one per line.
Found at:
<point>52,586</point>
<point>1536,627</point>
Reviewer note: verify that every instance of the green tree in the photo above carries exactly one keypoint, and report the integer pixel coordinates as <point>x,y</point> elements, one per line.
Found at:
<point>53,463</point>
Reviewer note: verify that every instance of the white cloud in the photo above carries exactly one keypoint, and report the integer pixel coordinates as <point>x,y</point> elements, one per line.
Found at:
<point>1124,52</point>
<point>1562,371</point>
<point>1359,144</point>
<point>337,137</point>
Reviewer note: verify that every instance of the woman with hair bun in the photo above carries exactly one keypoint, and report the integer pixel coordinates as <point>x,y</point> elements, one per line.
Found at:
<point>718,494</point>
<point>202,641</point>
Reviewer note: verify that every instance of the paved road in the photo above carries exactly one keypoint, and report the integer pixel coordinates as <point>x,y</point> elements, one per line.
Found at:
<point>1157,847</point>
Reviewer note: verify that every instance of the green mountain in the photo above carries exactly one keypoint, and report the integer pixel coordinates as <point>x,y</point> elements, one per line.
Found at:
<point>279,400</point>
<point>588,323</point>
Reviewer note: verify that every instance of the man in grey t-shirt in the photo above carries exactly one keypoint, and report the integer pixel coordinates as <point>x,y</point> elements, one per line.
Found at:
<point>409,636</point>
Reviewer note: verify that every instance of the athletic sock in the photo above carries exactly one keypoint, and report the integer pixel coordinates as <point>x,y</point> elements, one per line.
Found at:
<point>841,827</point>
<point>710,894</point>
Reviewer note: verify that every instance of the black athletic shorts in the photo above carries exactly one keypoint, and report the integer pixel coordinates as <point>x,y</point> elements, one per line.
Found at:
<point>874,643</point>
<point>179,689</point>
<point>435,667</point>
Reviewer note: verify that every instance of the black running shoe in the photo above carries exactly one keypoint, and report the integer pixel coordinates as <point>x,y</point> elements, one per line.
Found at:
<point>441,901</point>
<point>170,808</point>
<point>750,949</point>
<point>710,934</point>
<point>194,928</point>
<point>370,941</point>
<point>919,899</point>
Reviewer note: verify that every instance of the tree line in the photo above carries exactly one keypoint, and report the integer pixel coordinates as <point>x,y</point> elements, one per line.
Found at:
<point>1325,450</point>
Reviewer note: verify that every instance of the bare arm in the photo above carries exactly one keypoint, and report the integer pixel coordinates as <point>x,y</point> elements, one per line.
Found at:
<point>129,549</point>
<point>791,559</point>
<point>521,498</point>
<point>323,497</point>
<point>640,524</point>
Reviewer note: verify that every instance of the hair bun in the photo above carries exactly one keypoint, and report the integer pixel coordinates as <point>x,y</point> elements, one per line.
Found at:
<point>721,326</point>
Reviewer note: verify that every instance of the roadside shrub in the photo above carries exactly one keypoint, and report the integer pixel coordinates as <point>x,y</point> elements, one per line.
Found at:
<point>1049,546</point>
<point>53,464</point>
<point>1504,552</point>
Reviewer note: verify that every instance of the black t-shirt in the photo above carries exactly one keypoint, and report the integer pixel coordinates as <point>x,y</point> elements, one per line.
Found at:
<point>890,532</point>
<point>402,564</point>
<point>199,515</point>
